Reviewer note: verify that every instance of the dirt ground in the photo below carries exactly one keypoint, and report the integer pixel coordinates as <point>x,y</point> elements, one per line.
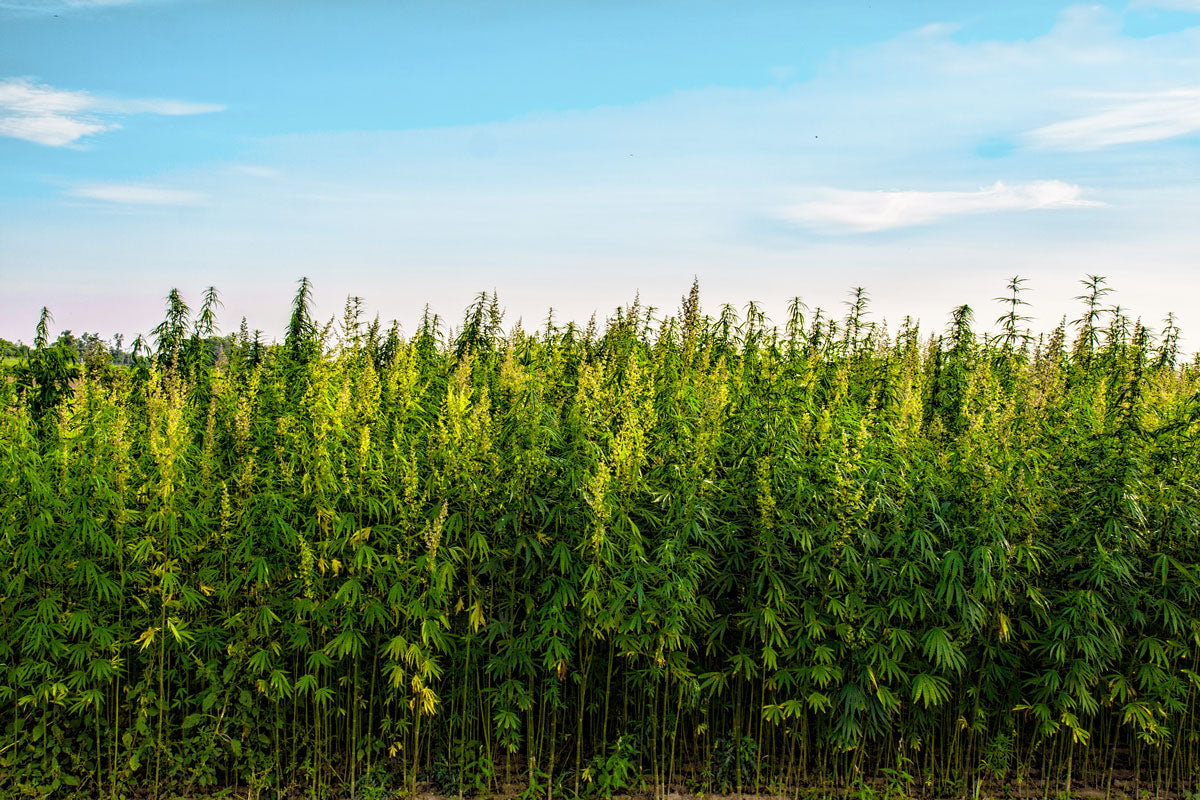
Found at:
<point>1122,789</point>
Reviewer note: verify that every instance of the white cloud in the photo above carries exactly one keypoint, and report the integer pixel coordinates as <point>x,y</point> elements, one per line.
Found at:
<point>60,118</point>
<point>137,195</point>
<point>864,212</point>
<point>54,130</point>
<point>1146,118</point>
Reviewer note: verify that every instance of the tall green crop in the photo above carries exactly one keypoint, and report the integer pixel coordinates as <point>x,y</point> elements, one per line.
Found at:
<point>673,551</point>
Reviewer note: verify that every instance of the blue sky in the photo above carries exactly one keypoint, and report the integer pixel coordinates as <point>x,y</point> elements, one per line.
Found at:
<point>572,154</point>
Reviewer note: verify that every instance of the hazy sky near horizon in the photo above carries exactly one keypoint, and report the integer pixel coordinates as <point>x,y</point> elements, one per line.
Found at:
<point>572,154</point>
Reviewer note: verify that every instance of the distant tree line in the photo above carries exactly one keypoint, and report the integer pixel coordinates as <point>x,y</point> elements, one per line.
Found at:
<point>91,348</point>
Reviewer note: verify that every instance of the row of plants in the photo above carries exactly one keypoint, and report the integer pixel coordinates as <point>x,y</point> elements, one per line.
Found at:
<point>658,551</point>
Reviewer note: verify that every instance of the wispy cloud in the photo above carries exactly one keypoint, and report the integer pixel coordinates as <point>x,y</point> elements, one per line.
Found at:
<point>137,195</point>
<point>1142,118</point>
<point>60,118</point>
<point>1169,5</point>
<point>864,212</point>
<point>256,171</point>
<point>57,6</point>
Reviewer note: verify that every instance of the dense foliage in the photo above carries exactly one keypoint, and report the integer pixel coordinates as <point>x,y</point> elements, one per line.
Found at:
<point>681,551</point>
